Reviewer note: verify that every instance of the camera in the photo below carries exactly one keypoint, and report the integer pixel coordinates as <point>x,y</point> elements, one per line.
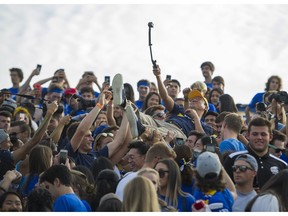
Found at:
<point>261,107</point>
<point>168,77</point>
<point>84,104</point>
<point>280,97</point>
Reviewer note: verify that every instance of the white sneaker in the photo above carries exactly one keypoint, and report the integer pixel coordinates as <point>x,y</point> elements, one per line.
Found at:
<point>132,119</point>
<point>117,88</point>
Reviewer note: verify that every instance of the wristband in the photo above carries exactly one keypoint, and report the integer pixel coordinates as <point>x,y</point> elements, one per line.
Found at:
<point>99,105</point>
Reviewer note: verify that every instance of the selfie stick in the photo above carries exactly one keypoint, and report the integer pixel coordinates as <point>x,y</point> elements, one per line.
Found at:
<point>151,25</point>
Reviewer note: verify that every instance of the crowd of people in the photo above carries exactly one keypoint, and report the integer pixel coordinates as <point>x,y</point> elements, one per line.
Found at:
<point>77,149</point>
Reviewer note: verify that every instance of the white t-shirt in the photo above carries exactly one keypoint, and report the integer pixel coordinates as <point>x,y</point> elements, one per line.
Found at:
<point>123,182</point>
<point>266,203</point>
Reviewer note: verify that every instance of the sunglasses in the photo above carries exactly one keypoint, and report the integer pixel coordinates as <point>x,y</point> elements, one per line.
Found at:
<point>241,168</point>
<point>277,150</point>
<point>162,173</point>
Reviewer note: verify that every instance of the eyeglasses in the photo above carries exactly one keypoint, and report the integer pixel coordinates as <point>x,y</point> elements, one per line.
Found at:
<point>277,150</point>
<point>162,173</point>
<point>241,168</point>
<point>160,115</point>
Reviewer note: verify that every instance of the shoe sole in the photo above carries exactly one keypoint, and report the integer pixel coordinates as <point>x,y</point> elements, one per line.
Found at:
<point>117,88</point>
<point>132,119</point>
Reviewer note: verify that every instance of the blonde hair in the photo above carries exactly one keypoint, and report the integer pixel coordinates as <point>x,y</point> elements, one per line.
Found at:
<point>200,86</point>
<point>140,196</point>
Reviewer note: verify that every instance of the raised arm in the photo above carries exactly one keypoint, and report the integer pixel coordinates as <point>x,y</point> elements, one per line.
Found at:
<point>41,82</point>
<point>168,101</point>
<point>25,86</point>
<point>56,134</point>
<point>119,146</point>
<point>20,153</point>
<point>87,122</point>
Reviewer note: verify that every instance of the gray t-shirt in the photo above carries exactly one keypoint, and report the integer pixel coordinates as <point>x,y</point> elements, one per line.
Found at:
<point>242,200</point>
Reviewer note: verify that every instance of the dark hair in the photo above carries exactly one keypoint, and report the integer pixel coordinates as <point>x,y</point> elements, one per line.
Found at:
<point>209,64</point>
<point>18,71</point>
<point>258,122</point>
<point>277,186</point>
<point>196,133</point>
<point>221,116</point>
<point>227,103</point>
<point>110,205</point>
<point>57,171</point>
<point>220,91</point>
<point>39,200</point>
<point>71,130</point>
<point>106,182</point>
<point>175,81</point>
<point>141,146</point>
<point>4,196</point>
<point>99,164</point>
<point>6,114</point>
<point>86,171</point>
<point>150,94</point>
<point>129,92</point>
<point>211,113</point>
<point>218,79</point>
<point>270,80</point>
<point>205,185</point>
<point>277,135</point>
<point>184,156</point>
<point>87,89</point>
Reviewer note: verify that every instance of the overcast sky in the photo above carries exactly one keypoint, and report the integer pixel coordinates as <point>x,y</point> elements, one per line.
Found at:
<point>246,43</point>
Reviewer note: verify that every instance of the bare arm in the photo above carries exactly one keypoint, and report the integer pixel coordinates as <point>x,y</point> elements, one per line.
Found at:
<point>87,122</point>
<point>195,117</point>
<point>109,114</point>
<point>56,134</point>
<point>25,86</point>
<point>119,146</point>
<point>229,183</point>
<point>41,82</point>
<point>168,101</point>
<point>20,153</point>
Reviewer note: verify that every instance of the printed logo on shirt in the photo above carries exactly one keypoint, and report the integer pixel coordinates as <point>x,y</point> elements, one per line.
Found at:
<point>274,170</point>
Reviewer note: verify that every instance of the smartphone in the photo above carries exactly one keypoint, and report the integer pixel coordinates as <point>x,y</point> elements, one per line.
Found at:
<point>168,77</point>
<point>39,67</point>
<point>210,147</point>
<point>107,80</point>
<point>63,156</point>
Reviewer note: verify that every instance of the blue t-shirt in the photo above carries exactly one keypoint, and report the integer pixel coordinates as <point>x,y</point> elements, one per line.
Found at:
<point>30,185</point>
<point>184,122</point>
<point>211,107</point>
<point>86,159</point>
<point>139,104</point>
<point>209,85</point>
<point>223,198</point>
<point>231,144</point>
<point>188,188</point>
<point>284,157</point>
<point>184,202</point>
<point>13,92</point>
<point>69,203</point>
<point>257,98</point>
